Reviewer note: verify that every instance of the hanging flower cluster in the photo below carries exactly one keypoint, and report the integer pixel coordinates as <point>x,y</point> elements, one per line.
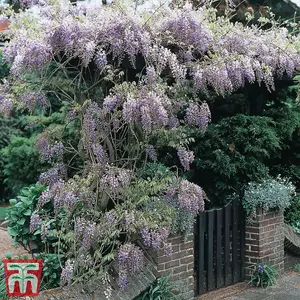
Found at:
<point>130,260</point>
<point>236,54</point>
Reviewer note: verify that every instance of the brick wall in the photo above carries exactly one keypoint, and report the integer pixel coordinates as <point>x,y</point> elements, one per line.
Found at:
<point>180,265</point>
<point>265,241</point>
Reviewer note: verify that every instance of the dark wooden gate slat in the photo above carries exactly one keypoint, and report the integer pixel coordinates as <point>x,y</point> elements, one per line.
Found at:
<point>201,261</point>
<point>242,240</point>
<point>219,249</point>
<point>227,222</point>
<point>210,251</point>
<point>235,271</point>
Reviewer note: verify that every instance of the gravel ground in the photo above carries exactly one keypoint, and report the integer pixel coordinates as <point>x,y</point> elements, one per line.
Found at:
<point>6,245</point>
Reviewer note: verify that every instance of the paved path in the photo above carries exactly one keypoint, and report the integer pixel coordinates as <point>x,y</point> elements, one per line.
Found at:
<point>6,245</point>
<point>287,288</point>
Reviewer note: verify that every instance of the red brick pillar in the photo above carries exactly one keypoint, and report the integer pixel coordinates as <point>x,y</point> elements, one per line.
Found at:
<point>180,266</point>
<point>265,241</point>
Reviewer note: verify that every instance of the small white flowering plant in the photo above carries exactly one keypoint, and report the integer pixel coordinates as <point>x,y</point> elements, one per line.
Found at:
<point>268,194</point>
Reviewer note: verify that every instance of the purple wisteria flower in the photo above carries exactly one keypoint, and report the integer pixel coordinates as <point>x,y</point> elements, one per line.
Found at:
<point>67,272</point>
<point>44,230</point>
<point>45,148</point>
<point>101,59</point>
<point>86,232</point>
<point>155,238</point>
<point>6,105</point>
<point>186,158</point>
<point>148,110</point>
<point>131,260</point>
<point>198,115</point>
<point>151,153</point>
<point>115,179</point>
<point>100,154</point>
<point>191,196</point>
<point>112,102</point>
<point>53,175</point>
<point>187,30</point>
<point>35,222</point>
<point>33,100</point>
<point>90,120</point>
<point>71,115</point>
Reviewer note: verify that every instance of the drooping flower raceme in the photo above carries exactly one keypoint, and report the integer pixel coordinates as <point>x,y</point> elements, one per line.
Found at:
<point>67,272</point>
<point>191,196</point>
<point>130,260</point>
<point>198,115</point>
<point>186,157</point>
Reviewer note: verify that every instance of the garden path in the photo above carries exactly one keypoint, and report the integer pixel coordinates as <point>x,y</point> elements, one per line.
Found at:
<point>6,245</point>
<point>287,288</point>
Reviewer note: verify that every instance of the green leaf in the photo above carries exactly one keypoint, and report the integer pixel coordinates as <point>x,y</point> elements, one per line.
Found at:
<point>28,212</point>
<point>21,221</point>
<point>11,231</point>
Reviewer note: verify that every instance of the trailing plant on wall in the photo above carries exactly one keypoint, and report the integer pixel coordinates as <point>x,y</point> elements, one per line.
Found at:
<point>122,75</point>
<point>269,194</point>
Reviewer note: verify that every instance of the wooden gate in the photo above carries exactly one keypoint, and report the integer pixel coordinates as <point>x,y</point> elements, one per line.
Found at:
<point>220,247</point>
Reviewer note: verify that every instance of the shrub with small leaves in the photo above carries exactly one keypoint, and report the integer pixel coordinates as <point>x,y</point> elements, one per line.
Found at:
<point>19,215</point>
<point>263,276</point>
<point>51,270</point>
<point>269,194</point>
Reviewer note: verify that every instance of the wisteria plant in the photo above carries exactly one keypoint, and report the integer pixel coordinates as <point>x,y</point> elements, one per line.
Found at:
<point>122,71</point>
